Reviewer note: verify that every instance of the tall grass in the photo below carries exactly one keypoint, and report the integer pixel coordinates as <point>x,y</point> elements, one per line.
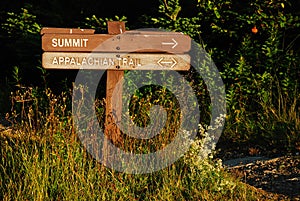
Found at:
<point>273,124</point>
<point>42,159</point>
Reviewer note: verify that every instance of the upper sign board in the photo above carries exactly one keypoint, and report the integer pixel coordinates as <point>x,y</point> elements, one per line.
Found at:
<point>126,42</point>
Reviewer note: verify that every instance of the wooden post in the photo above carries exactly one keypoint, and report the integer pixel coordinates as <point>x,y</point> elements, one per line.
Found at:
<point>111,130</point>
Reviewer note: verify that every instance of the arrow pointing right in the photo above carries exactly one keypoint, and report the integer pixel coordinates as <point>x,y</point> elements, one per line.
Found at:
<point>174,43</point>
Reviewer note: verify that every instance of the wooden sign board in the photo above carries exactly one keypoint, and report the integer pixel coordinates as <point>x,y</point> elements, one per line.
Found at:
<point>126,42</point>
<point>103,61</point>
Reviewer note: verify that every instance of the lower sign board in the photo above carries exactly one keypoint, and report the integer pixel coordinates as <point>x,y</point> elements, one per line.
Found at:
<point>116,61</point>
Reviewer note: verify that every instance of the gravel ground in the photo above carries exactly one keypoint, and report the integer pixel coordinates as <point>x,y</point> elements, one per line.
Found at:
<point>279,175</point>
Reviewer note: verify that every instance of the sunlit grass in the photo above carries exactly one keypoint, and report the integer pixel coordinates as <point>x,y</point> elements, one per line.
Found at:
<point>42,159</point>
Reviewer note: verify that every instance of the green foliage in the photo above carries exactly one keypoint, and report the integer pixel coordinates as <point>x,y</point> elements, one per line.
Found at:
<point>21,41</point>
<point>255,49</point>
<point>255,45</point>
<point>169,18</point>
<point>254,68</point>
<point>21,24</point>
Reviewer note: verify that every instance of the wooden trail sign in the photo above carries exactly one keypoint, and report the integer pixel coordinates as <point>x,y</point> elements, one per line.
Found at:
<point>68,48</point>
<point>143,50</point>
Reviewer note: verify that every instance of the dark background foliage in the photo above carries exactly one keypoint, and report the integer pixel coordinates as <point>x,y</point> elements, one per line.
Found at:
<point>255,45</point>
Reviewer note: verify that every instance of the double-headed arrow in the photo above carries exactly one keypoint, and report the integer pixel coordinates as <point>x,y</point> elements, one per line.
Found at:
<point>167,63</point>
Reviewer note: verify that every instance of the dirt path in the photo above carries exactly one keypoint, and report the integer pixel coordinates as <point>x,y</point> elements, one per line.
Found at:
<point>279,175</point>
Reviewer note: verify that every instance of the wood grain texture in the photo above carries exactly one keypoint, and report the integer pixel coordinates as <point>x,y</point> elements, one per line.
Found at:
<point>127,42</point>
<point>113,115</point>
<point>115,61</point>
<point>51,30</point>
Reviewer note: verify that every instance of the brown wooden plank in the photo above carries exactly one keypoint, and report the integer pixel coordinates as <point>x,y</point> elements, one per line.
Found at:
<point>127,42</point>
<point>153,32</point>
<point>72,42</point>
<point>115,61</point>
<point>54,30</point>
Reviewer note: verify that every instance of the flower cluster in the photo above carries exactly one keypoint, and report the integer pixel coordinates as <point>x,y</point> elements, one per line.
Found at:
<point>204,145</point>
